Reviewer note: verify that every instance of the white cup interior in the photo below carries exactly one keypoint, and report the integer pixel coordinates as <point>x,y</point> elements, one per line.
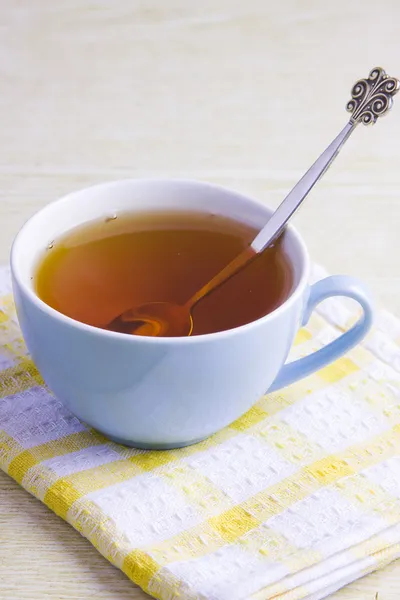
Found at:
<point>139,195</point>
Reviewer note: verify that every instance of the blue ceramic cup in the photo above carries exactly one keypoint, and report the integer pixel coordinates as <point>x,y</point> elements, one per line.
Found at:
<point>168,392</point>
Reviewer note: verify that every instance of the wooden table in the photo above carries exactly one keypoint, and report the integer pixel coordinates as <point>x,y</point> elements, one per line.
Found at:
<point>243,93</point>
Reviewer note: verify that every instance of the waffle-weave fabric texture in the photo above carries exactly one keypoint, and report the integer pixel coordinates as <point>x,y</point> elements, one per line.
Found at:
<point>295,499</point>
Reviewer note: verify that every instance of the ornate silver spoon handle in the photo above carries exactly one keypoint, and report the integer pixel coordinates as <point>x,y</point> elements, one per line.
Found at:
<point>370,98</point>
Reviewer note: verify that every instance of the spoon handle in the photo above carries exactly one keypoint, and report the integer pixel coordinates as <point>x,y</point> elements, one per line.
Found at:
<point>280,217</point>
<point>296,196</point>
<point>370,98</point>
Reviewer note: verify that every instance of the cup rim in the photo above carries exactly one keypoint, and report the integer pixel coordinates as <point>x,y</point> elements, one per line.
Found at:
<point>97,331</point>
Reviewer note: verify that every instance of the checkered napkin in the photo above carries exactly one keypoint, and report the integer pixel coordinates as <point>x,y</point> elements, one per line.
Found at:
<point>295,499</point>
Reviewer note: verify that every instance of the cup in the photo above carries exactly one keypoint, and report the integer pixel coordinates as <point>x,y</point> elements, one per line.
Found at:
<point>165,393</point>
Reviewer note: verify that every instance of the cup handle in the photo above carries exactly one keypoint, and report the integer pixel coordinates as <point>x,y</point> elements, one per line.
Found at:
<point>337,285</point>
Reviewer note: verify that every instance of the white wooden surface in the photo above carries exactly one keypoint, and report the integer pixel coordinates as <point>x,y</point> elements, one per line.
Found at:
<point>243,93</point>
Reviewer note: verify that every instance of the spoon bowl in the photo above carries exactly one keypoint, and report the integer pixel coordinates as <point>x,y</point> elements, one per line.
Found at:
<point>161,319</point>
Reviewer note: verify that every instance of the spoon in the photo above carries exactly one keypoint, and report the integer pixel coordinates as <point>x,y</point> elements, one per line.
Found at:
<point>370,99</point>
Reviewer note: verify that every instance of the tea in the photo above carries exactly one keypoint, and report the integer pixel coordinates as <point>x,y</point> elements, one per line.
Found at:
<point>100,270</point>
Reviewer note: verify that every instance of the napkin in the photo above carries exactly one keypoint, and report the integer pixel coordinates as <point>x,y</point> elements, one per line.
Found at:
<point>295,499</point>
